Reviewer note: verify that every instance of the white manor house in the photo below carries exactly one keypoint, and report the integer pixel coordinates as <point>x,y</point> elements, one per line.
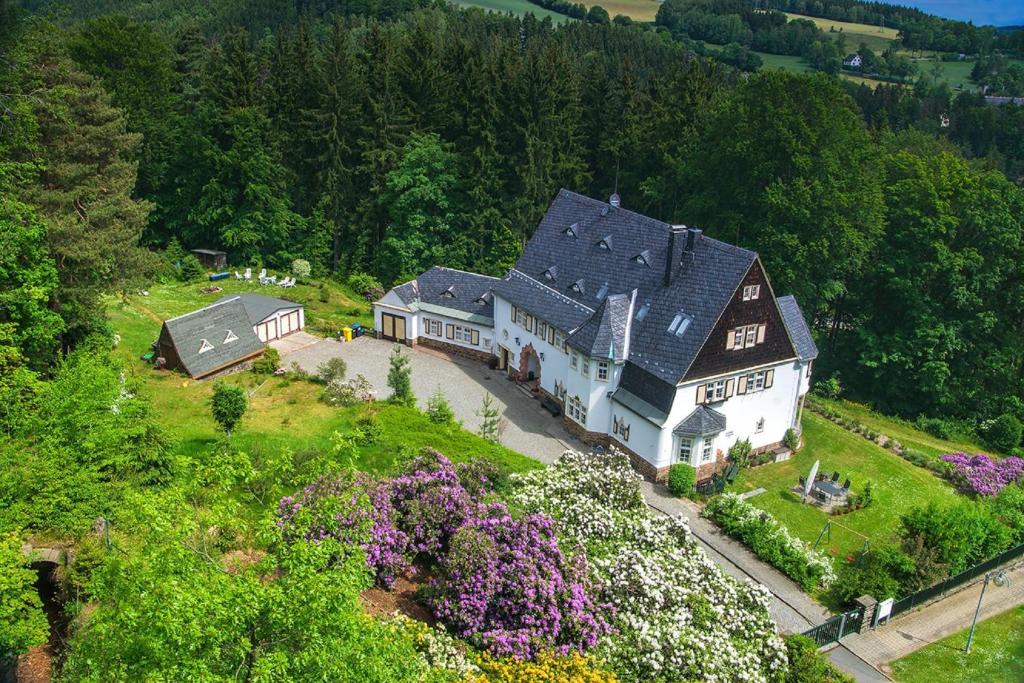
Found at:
<point>650,338</point>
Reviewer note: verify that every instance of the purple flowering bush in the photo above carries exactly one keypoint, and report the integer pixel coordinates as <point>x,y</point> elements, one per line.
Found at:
<point>506,586</point>
<point>502,583</point>
<point>982,474</point>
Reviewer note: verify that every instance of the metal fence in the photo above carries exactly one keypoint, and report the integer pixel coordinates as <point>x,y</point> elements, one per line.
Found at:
<point>926,594</point>
<point>833,630</point>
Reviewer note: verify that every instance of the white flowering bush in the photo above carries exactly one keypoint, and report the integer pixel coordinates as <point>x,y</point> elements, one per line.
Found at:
<point>436,647</point>
<point>677,615</point>
<point>770,541</point>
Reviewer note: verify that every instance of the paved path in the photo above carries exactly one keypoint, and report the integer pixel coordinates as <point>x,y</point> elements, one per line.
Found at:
<point>910,632</point>
<point>531,430</point>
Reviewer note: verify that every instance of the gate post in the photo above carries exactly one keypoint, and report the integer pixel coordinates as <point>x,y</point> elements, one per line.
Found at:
<point>866,605</point>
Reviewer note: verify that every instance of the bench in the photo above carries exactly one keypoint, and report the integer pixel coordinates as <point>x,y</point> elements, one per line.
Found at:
<point>551,405</point>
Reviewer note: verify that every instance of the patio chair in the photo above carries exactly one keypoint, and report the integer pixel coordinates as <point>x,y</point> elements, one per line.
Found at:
<point>263,274</point>
<point>239,276</point>
<point>835,476</point>
<point>248,274</point>
<point>846,485</point>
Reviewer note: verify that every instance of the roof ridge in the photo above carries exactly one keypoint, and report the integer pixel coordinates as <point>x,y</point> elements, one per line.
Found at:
<point>617,208</point>
<point>236,297</point>
<point>459,270</point>
<point>558,294</point>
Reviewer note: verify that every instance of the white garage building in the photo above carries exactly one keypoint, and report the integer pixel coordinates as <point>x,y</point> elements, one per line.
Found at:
<point>271,318</point>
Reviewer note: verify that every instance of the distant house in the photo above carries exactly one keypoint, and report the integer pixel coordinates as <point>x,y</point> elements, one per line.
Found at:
<point>208,341</point>
<point>211,258</point>
<point>997,101</point>
<point>271,318</point>
<point>853,61</point>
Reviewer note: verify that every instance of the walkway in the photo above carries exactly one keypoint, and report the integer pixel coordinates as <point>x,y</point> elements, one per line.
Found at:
<point>914,630</point>
<point>529,429</point>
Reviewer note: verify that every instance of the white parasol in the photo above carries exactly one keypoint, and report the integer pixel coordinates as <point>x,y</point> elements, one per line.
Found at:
<point>810,478</point>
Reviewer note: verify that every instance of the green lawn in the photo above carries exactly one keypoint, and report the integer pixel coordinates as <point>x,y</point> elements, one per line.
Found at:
<point>784,62</point>
<point>997,655</point>
<point>876,37</point>
<point>898,486</point>
<point>516,7</point>
<point>901,430</point>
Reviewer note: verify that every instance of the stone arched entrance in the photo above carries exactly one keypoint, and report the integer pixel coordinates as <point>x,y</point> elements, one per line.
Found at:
<point>529,364</point>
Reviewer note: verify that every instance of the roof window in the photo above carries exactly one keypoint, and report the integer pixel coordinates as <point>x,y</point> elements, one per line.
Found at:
<point>679,324</point>
<point>230,337</point>
<point>601,293</point>
<point>605,242</point>
<point>573,230</point>
<point>642,312</point>
<point>449,293</point>
<point>577,286</point>
<point>643,258</point>
<point>205,346</point>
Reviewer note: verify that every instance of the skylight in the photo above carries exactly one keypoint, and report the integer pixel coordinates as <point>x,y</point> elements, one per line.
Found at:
<point>602,292</point>
<point>679,324</point>
<point>642,312</point>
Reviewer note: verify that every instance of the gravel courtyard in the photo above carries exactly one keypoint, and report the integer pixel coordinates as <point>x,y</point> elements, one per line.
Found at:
<point>526,427</point>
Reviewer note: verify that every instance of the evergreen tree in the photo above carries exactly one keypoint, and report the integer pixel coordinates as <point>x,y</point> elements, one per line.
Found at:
<point>490,419</point>
<point>438,409</point>
<point>400,378</point>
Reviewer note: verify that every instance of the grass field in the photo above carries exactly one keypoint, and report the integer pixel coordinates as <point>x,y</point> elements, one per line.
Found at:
<point>283,413</point>
<point>901,430</point>
<point>637,10</point>
<point>997,655</point>
<point>516,7</point>
<point>876,37</point>
<point>898,486</point>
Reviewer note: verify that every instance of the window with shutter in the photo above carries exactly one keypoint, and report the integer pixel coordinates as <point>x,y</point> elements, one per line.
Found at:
<point>769,378</point>
<point>729,384</point>
<point>741,386</point>
<point>449,331</point>
<point>760,333</point>
<point>475,339</point>
<point>702,392</point>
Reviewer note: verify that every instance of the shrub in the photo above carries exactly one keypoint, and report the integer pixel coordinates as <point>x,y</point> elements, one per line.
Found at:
<point>964,534</point>
<point>739,452</point>
<point>882,572</point>
<point>331,370</point>
<point>807,665</point>
<point>982,474</point>
<point>681,478</point>
<point>791,439</point>
<point>228,405</point>
<point>268,363</point>
<point>547,668</point>
<point>770,541</point>
<point>1008,508</point>
<point>348,393</point>
<point>937,427</point>
<point>301,268</point>
<point>829,387</point>
<point>439,411</point>
<point>367,286</point>
<point>324,294</point>
<point>22,622</point>
<point>1004,434</point>
<point>189,268</point>
<point>368,427</point>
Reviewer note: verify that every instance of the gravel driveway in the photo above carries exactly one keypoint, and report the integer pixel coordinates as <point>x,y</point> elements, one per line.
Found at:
<point>526,427</point>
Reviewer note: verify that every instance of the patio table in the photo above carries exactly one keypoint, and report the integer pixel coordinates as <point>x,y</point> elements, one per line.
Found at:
<point>830,489</point>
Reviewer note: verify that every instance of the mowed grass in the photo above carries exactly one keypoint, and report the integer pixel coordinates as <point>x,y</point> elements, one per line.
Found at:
<point>997,655</point>
<point>901,430</point>
<point>898,486</point>
<point>876,37</point>
<point>784,62</point>
<point>637,10</point>
<point>283,414</point>
<point>516,7</point>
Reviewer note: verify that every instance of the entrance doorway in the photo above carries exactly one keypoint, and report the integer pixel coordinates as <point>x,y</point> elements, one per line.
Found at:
<point>392,327</point>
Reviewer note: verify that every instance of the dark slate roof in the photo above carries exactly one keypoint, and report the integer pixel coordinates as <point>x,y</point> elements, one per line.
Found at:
<point>542,301</point>
<point>796,325</point>
<point>604,334</point>
<point>213,323</point>
<point>701,285</point>
<point>469,291</point>
<point>700,422</point>
<point>259,307</point>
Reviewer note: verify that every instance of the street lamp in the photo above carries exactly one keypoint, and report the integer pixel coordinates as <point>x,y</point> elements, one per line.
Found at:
<point>1000,579</point>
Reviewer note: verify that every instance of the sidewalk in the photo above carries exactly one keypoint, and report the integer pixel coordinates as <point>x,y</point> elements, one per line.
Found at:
<point>912,631</point>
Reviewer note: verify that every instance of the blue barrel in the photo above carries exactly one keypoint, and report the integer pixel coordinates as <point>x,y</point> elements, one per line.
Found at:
<point>218,276</point>
<point>357,330</point>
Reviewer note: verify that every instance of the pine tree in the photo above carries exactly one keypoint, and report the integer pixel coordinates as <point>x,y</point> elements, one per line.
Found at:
<point>400,378</point>
<point>490,419</point>
<point>439,410</point>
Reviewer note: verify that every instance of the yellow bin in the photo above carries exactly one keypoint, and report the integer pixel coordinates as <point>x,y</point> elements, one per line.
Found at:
<point>346,332</point>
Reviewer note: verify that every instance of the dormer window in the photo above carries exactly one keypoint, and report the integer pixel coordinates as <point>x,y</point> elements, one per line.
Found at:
<point>601,293</point>
<point>577,286</point>
<point>205,346</point>
<point>230,337</point>
<point>449,293</point>
<point>642,312</point>
<point>551,274</point>
<point>643,258</point>
<point>604,211</point>
<point>605,243</point>
<point>573,230</point>
<point>751,292</point>
<point>679,324</point>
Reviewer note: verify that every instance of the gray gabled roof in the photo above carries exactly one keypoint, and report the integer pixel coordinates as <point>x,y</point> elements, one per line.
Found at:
<point>259,307</point>
<point>213,324</point>
<point>543,301</point>
<point>701,285</point>
<point>448,288</point>
<point>701,422</point>
<point>603,335</point>
<point>796,325</point>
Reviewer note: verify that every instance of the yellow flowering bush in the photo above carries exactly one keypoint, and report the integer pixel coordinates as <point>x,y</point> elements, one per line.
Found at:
<point>547,668</point>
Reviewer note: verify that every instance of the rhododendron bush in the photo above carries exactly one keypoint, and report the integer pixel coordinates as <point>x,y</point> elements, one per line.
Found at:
<point>677,616</point>
<point>982,474</point>
<point>502,583</point>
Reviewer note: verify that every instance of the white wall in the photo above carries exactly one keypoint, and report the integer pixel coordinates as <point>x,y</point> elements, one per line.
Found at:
<point>486,333</point>
<point>555,363</point>
<point>644,436</point>
<point>392,304</point>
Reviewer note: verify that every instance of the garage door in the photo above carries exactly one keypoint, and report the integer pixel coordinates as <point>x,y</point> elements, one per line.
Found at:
<point>393,327</point>
<point>286,326</point>
<point>267,331</point>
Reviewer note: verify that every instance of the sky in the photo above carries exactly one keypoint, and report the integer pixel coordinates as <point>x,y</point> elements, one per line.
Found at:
<point>995,12</point>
